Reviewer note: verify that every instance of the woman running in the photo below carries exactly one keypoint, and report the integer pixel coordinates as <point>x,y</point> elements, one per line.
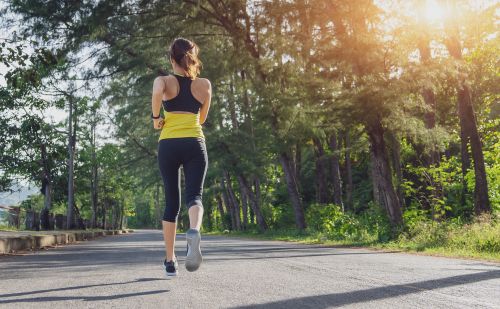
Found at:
<point>186,101</point>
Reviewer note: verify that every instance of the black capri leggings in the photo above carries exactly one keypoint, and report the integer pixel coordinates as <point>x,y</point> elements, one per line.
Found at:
<point>191,153</point>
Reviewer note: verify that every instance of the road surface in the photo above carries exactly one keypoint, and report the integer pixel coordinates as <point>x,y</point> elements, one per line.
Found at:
<point>125,271</point>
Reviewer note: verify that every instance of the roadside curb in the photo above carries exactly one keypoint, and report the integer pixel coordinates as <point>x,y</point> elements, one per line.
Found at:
<point>11,244</point>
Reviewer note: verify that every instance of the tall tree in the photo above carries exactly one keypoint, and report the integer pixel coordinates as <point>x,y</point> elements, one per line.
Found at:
<point>468,123</point>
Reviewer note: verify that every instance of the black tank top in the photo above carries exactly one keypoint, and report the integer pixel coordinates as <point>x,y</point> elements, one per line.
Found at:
<point>184,101</point>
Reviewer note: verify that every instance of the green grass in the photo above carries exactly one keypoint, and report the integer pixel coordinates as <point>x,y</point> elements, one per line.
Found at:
<point>478,240</point>
<point>8,228</point>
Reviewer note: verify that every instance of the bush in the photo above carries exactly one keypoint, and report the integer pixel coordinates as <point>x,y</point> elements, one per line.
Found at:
<point>481,236</point>
<point>424,234</point>
<point>337,225</point>
<point>376,223</point>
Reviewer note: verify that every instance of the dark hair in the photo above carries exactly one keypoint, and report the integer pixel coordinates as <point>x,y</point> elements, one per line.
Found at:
<point>185,53</point>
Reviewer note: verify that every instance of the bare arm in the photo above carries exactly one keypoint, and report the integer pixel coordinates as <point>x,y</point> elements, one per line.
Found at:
<point>206,104</point>
<point>158,89</point>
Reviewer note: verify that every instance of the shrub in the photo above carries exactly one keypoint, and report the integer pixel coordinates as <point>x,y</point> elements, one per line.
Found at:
<point>483,235</point>
<point>330,219</point>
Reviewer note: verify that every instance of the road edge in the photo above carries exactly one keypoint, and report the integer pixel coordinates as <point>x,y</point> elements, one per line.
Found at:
<point>13,244</point>
<point>368,247</point>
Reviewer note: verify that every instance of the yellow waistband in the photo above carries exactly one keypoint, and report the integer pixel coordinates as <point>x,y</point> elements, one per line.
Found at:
<point>181,125</point>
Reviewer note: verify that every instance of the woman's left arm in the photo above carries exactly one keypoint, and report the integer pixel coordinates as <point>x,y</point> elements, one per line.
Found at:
<point>206,105</point>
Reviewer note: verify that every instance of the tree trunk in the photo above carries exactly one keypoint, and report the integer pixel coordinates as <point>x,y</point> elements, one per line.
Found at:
<point>465,159</point>
<point>321,182</point>
<point>93,197</point>
<point>244,204</point>
<point>481,198</point>
<point>298,162</point>
<point>375,181</point>
<point>337,185</point>
<point>158,208</point>
<point>70,214</point>
<point>45,213</point>
<point>231,105</point>
<point>430,123</point>
<point>104,208</point>
<point>396,164</point>
<point>122,208</point>
<point>254,203</point>
<point>229,206</point>
<point>220,207</point>
<point>468,125</point>
<point>348,169</point>
<point>293,191</point>
<point>113,216</point>
<point>94,176</point>
<point>46,189</point>
<point>233,199</point>
<point>256,184</point>
<point>383,175</point>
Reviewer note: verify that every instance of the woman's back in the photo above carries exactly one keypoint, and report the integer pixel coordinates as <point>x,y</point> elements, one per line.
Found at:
<point>182,100</point>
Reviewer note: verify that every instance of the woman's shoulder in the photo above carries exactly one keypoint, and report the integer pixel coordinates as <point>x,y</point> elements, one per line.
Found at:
<point>164,79</point>
<point>203,82</point>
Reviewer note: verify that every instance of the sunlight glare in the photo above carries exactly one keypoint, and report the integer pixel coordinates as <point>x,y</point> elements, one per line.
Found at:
<point>433,11</point>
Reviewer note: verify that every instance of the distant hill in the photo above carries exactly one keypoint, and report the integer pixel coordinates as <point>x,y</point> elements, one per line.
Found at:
<point>21,193</point>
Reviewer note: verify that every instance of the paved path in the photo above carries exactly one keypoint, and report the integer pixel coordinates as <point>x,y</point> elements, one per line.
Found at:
<point>124,271</point>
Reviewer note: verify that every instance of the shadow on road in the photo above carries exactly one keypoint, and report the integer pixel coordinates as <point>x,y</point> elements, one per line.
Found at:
<point>148,249</point>
<point>342,299</point>
<point>78,287</point>
<point>85,298</point>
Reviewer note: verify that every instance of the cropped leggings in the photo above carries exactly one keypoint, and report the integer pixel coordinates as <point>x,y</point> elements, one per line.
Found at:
<point>191,153</point>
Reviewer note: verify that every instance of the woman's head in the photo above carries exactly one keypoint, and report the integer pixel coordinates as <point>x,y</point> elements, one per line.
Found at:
<point>185,54</point>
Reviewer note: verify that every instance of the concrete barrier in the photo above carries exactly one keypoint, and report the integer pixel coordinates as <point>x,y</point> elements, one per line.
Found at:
<point>3,245</point>
<point>42,241</point>
<point>61,239</point>
<point>71,237</point>
<point>10,244</point>
<point>32,242</point>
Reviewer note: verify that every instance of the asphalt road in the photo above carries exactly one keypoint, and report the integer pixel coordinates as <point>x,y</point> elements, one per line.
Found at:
<point>125,271</point>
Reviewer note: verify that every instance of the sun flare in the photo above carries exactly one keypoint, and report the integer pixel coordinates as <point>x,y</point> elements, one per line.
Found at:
<point>433,10</point>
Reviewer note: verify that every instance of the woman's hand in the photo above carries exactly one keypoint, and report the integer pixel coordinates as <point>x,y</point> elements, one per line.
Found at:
<point>158,123</point>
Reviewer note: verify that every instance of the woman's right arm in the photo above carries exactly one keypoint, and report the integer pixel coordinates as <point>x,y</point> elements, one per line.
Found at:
<point>158,89</point>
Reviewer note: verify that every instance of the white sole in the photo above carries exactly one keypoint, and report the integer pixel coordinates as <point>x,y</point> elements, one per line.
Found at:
<point>193,257</point>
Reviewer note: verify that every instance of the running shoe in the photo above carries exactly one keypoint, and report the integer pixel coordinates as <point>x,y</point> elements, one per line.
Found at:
<point>171,267</point>
<point>193,256</point>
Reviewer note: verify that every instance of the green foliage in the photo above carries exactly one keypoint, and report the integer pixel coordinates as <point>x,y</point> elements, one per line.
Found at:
<point>491,140</point>
<point>483,235</point>
<point>34,202</point>
<point>371,225</point>
<point>480,236</point>
<point>279,216</point>
<point>436,191</point>
<point>301,72</point>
